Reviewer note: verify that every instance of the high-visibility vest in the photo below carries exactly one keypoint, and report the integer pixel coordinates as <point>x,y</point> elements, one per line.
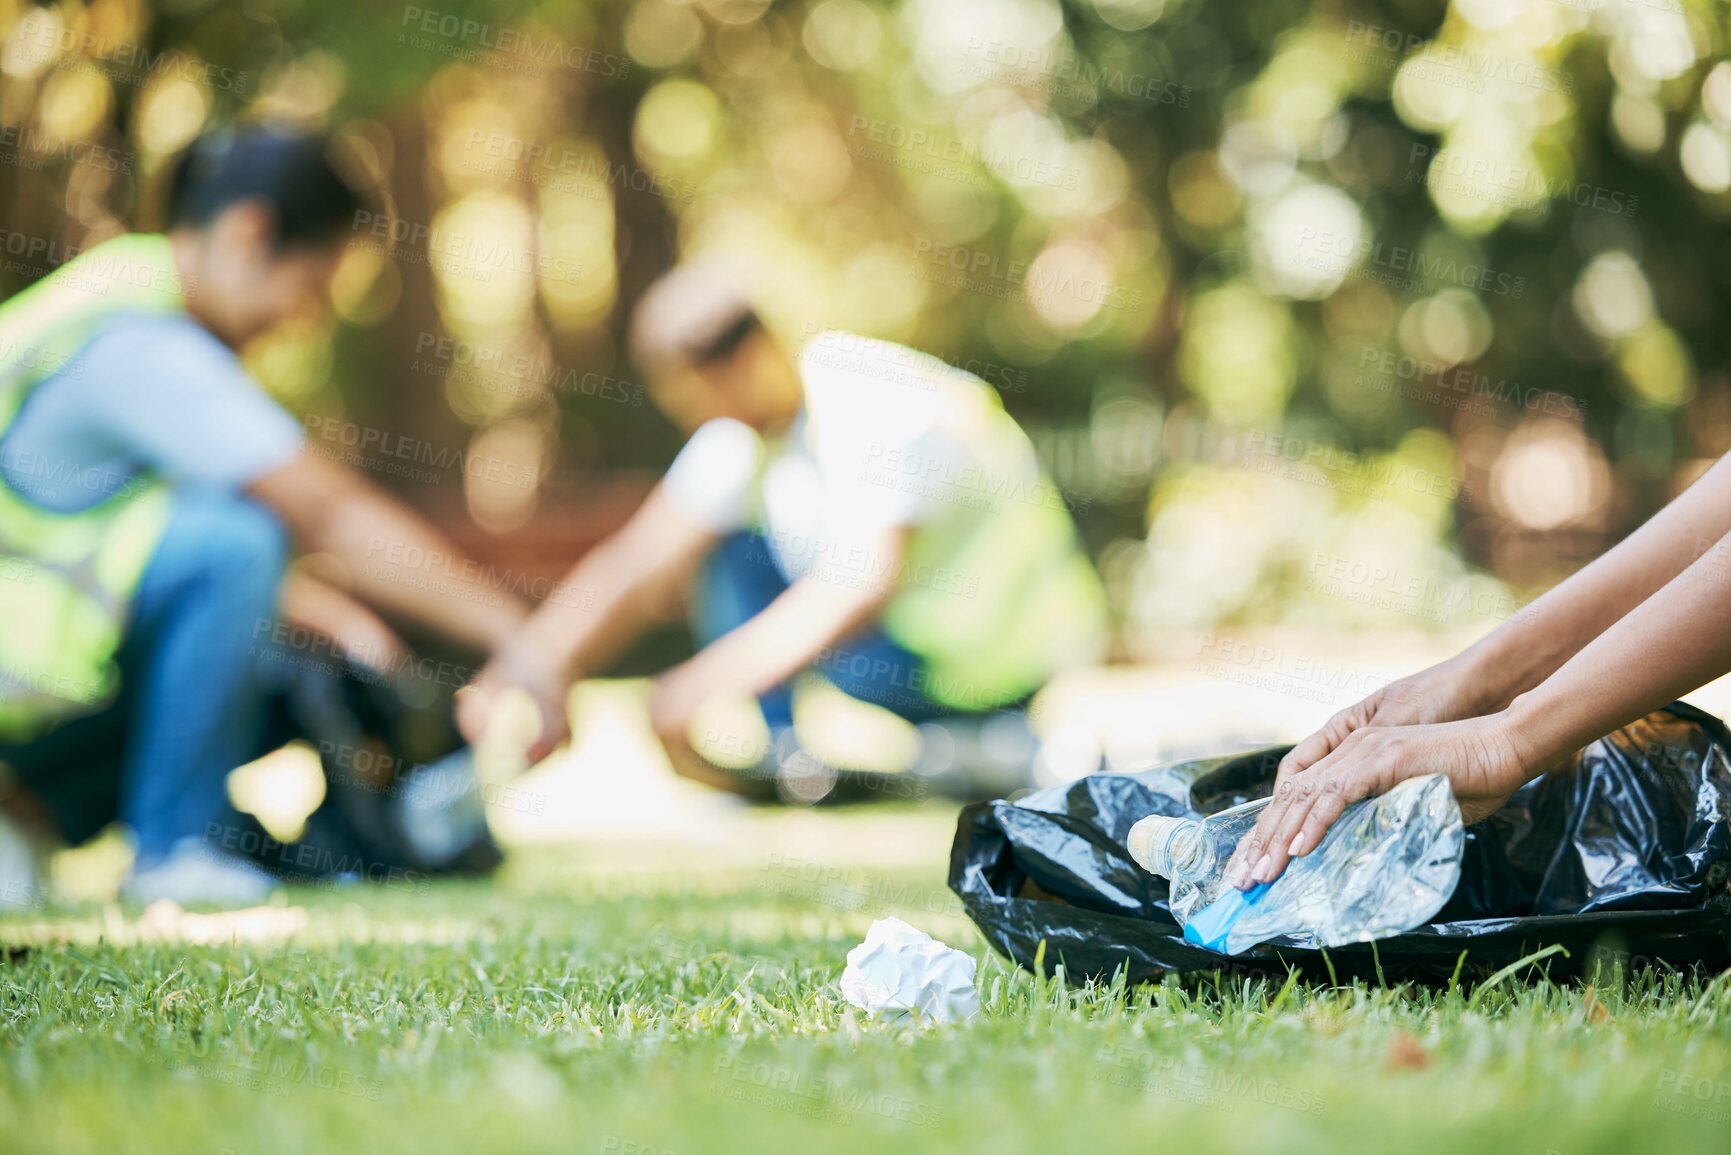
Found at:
<point>1015,598</point>
<point>68,579</point>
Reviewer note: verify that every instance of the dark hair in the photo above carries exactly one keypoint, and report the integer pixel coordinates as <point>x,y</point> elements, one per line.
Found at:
<point>290,171</point>
<point>696,315</point>
<point>714,348</point>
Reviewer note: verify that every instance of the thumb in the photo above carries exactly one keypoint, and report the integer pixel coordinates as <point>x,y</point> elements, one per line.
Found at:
<point>1299,759</point>
<point>474,710</point>
<point>1308,752</point>
<point>555,727</point>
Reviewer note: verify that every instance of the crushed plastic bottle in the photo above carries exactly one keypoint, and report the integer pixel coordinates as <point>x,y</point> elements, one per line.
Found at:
<point>1387,865</point>
<point>441,813</point>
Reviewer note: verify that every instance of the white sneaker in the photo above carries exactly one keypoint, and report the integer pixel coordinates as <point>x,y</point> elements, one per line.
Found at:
<point>19,886</point>
<point>195,874</point>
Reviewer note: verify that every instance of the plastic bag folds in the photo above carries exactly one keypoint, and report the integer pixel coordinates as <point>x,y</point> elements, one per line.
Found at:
<point>1622,856</point>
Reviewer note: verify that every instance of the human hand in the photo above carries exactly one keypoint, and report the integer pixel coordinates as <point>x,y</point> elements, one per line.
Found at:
<point>1481,757</point>
<point>355,631</point>
<point>1445,692</point>
<point>674,700</point>
<point>522,666</point>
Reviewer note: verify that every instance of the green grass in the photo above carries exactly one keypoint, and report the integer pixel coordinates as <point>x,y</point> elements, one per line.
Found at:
<point>684,999</point>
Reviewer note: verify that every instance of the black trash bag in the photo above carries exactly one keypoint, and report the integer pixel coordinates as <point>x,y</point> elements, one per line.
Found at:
<point>375,733</point>
<point>1623,857</point>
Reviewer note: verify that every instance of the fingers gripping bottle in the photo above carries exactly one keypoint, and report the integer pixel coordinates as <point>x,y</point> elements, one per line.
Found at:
<point>1387,865</point>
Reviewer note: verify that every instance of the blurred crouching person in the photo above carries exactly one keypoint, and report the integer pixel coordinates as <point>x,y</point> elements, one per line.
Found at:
<point>150,494</point>
<point>854,507</point>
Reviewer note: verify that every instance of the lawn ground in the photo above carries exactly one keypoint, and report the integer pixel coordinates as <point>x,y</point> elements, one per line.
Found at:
<point>655,971</point>
<point>635,1002</point>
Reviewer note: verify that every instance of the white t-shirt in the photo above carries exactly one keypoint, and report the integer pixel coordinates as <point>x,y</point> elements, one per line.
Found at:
<point>882,442</point>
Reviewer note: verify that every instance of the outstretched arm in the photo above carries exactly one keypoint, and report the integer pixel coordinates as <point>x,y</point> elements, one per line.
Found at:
<point>1545,635</point>
<point>329,508</point>
<point>1533,644</point>
<point>813,614</point>
<point>384,549</point>
<point>606,601</point>
<point>1673,642</point>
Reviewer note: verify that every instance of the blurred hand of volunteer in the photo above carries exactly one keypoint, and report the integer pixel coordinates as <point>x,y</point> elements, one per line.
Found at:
<point>1483,759</point>
<point>359,633</point>
<point>522,665</point>
<point>674,701</point>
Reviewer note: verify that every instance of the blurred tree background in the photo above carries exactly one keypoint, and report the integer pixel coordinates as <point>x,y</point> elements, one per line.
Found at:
<point>1283,291</point>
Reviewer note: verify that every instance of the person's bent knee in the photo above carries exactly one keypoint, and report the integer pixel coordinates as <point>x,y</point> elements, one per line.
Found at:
<point>253,537</point>
<point>221,550</point>
<point>232,537</point>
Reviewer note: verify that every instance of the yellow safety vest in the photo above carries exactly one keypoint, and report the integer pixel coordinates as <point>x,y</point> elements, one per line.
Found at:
<point>68,580</point>
<point>996,595</point>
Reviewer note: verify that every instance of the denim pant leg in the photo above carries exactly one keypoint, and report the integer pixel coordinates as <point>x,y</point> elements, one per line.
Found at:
<point>875,669</point>
<point>738,581</point>
<point>199,695</point>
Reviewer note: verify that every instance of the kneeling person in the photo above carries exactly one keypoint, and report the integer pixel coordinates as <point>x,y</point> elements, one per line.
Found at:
<point>150,494</point>
<point>863,509</point>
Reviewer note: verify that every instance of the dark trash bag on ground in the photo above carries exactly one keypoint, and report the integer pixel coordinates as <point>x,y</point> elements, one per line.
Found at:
<point>373,733</point>
<point>1622,857</point>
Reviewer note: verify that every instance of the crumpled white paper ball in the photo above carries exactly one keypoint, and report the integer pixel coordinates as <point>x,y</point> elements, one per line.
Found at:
<point>899,971</point>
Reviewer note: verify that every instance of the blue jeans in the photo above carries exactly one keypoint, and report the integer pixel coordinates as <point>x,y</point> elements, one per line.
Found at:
<point>738,582</point>
<point>193,687</point>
